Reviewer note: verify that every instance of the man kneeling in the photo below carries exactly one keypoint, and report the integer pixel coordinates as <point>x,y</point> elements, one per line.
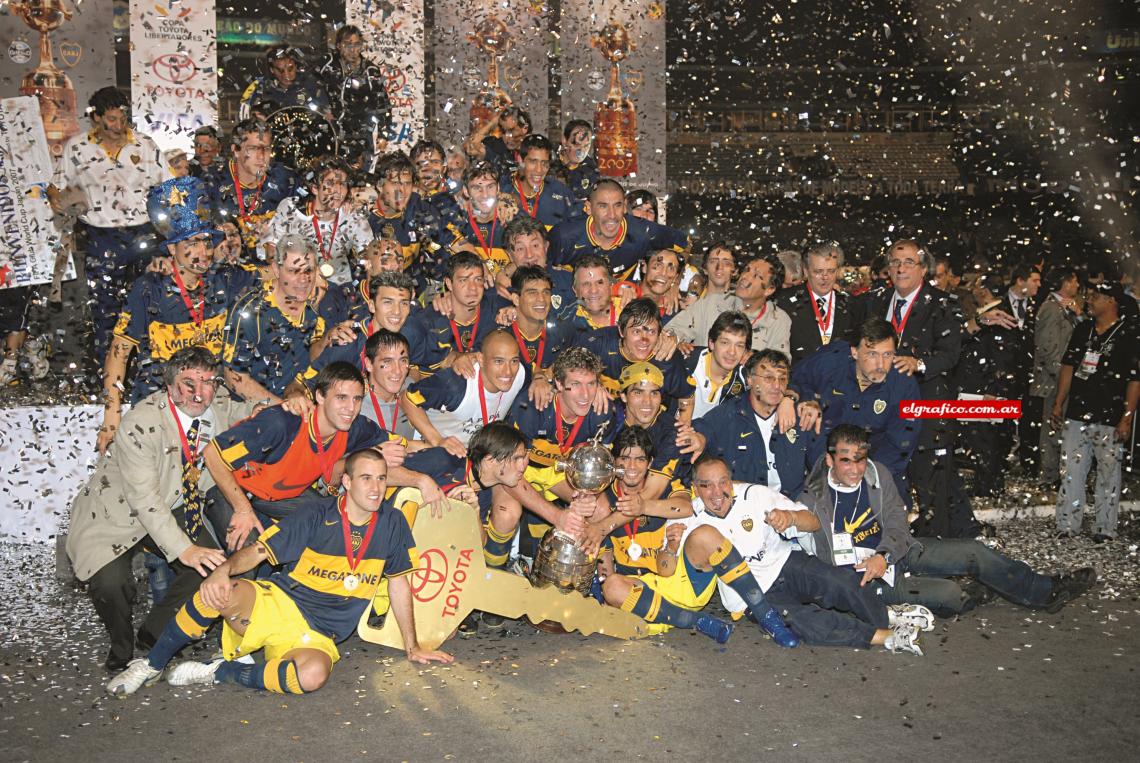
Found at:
<point>332,556</point>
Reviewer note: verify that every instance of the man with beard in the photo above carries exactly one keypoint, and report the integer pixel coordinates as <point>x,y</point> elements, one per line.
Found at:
<point>166,313</point>
<point>250,187</point>
<point>338,232</point>
<point>624,240</point>
<point>113,167</point>
<point>359,94</point>
<point>430,160</point>
<point>480,229</point>
<point>661,275</point>
<point>819,312</point>
<point>539,197</point>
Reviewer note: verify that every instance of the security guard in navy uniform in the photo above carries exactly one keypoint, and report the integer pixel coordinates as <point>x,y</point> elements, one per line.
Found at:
<point>856,384</point>
<point>743,430</point>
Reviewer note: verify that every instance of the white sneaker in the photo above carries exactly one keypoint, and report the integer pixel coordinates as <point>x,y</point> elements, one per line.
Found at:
<point>911,614</point>
<point>904,638</point>
<point>193,672</point>
<point>138,674</point>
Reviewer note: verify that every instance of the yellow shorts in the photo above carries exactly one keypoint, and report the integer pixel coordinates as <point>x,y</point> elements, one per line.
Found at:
<point>275,625</point>
<point>542,478</point>
<point>679,588</point>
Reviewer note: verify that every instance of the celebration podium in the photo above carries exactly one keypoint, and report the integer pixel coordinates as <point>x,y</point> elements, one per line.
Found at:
<point>452,579</point>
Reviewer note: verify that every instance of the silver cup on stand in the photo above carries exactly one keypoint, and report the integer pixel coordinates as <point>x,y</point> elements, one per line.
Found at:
<point>559,561</point>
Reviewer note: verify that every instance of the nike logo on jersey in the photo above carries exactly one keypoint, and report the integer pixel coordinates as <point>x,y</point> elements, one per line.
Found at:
<point>746,434</point>
<point>283,488</point>
<point>851,527</point>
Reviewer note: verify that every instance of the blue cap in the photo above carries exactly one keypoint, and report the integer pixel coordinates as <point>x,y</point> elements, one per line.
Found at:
<point>179,209</point>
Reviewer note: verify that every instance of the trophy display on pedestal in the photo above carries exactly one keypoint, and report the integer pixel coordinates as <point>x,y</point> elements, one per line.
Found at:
<point>559,561</point>
<point>47,82</point>
<point>493,38</point>
<point>615,119</point>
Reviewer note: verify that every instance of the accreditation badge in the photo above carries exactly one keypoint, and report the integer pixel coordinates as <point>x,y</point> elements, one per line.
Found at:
<point>843,549</point>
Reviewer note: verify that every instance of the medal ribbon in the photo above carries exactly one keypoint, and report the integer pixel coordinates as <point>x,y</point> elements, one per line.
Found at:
<point>824,324</point>
<point>326,254</point>
<point>326,464</point>
<point>522,199</point>
<point>199,315</point>
<point>636,520</point>
<point>564,442</point>
<point>483,399</point>
<point>479,233</point>
<point>541,344</point>
<point>244,211</point>
<point>354,559</point>
<point>763,310</point>
<point>901,326</point>
<point>191,455</point>
<point>474,331</point>
<point>376,407</point>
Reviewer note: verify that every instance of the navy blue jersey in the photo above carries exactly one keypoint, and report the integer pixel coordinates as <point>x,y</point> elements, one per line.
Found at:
<point>667,458</point>
<point>264,343</point>
<point>308,545</point>
<point>827,376</point>
<point>606,344</point>
<point>551,205</point>
<point>638,239</point>
<point>431,335</point>
<point>541,429</point>
<point>648,532</point>
<point>258,203</point>
<point>420,232</point>
<point>157,321</point>
<point>450,472</point>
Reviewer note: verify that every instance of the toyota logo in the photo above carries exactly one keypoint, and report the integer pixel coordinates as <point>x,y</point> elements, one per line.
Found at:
<point>175,67</point>
<point>430,577</point>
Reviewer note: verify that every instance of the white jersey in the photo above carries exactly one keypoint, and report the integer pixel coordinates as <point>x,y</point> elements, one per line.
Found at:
<point>466,418</point>
<point>342,238</point>
<point>114,187</point>
<point>760,545</point>
<point>708,393</point>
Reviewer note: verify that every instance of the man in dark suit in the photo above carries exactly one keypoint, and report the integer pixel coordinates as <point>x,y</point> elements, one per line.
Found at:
<point>1021,302</point>
<point>929,326</point>
<point>818,310</point>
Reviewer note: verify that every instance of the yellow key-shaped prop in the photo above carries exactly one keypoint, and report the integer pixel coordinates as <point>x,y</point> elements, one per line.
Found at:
<point>452,580</point>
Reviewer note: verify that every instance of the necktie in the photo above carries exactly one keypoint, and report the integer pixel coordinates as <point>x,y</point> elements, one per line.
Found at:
<point>191,498</point>
<point>1021,311</point>
<point>899,305</point>
<point>822,302</point>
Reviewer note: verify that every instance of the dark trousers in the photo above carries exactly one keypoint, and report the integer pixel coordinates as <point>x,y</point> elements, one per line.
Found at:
<point>112,262</point>
<point>1029,435</point>
<point>825,605</point>
<point>219,511</point>
<point>113,591</point>
<point>945,510</point>
<point>988,444</point>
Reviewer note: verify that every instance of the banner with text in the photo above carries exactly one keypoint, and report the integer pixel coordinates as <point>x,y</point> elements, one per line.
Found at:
<point>59,53</point>
<point>394,40</point>
<point>27,235</point>
<point>174,70</point>
<point>613,75</point>
<point>487,57</point>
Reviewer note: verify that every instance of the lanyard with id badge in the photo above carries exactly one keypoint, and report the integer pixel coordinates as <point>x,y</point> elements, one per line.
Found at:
<point>1091,359</point>
<point>846,553</point>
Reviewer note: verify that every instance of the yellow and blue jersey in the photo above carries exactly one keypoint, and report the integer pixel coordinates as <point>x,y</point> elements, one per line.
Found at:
<point>553,203</point>
<point>540,429</point>
<point>419,230</point>
<point>667,458</point>
<point>639,238</point>
<point>647,532</point>
<point>450,472</point>
<point>490,250</point>
<point>309,547</point>
<point>606,344</point>
<point>259,202</point>
<point>156,320</point>
<point>264,343</point>
<point>431,337</point>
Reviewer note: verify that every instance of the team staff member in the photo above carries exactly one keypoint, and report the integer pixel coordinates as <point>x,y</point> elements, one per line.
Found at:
<point>819,312</point>
<point>168,312</point>
<point>248,189</point>
<point>270,330</point>
<point>744,430</point>
<point>265,467</point>
<point>862,523</point>
<point>113,167</point>
<point>859,385</point>
<point>332,558</point>
<point>147,494</point>
<point>716,370</point>
<point>624,240</point>
<point>539,197</point>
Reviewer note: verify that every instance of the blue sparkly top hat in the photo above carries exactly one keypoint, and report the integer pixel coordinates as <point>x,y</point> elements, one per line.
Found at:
<point>179,209</point>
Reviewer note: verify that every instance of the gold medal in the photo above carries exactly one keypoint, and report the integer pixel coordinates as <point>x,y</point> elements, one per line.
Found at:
<point>327,270</point>
<point>194,473</point>
<point>825,338</point>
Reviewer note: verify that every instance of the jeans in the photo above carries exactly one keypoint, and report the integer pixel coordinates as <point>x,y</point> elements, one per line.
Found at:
<point>810,591</point>
<point>158,575</point>
<point>1081,442</point>
<point>933,559</point>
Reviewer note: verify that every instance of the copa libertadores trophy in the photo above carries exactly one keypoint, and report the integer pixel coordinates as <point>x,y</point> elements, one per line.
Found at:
<point>615,119</point>
<point>492,37</point>
<point>47,81</point>
<point>559,561</point>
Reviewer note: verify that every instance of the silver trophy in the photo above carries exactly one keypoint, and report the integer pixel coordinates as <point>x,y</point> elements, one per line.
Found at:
<point>559,561</point>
